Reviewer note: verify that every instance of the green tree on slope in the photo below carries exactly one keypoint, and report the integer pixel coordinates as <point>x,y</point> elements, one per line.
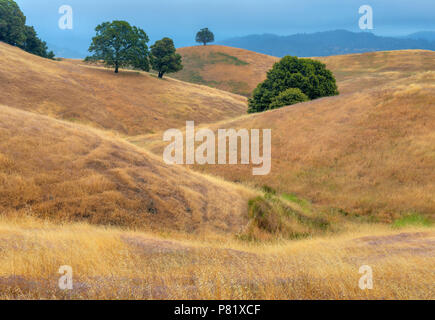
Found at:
<point>35,45</point>
<point>12,23</point>
<point>13,30</point>
<point>119,45</point>
<point>164,58</point>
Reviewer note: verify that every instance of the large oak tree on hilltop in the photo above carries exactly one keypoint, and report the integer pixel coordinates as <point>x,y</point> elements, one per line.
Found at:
<point>204,36</point>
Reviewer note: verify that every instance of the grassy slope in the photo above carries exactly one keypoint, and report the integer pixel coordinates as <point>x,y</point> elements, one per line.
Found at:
<point>370,150</point>
<point>64,171</point>
<point>130,102</point>
<point>83,177</point>
<point>231,69</point>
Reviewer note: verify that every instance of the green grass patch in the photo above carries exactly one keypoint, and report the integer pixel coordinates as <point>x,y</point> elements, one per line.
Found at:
<point>220,57</point>
<point>305,204</point>
<point>194,64</point>
<point>412,219</point>
<point>195,61</point>
<point>239,87</point>
<point>195,77</point>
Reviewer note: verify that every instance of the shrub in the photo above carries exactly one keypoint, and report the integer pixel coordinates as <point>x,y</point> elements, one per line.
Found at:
<point>309,76</point>
<point>265,215</point>
<point>271,218</point>
<point>268,190</point>
<point>287,98</point>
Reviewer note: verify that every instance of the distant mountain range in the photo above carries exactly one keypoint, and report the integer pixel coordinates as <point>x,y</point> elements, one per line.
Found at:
<point>423,35</point>
<point>302,45</point>
<point>330,43</point>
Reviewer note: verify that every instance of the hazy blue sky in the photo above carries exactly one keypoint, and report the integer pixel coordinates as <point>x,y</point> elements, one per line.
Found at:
<point>180,19</point>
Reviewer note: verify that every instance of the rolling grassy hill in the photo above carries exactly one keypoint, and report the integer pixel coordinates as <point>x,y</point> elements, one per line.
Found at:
<point>231,69</point>
<point>81,173</point>
<point>130,102</point>
<point>168,232</point>
<point>68,172</point>
<point>369,151</point>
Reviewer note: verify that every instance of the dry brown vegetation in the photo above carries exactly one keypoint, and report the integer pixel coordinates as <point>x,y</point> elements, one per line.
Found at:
<point>132,227</point>
<point>131,102</point>
<point>231,69</point>
<point>109,263</point>
<point>369,151</point>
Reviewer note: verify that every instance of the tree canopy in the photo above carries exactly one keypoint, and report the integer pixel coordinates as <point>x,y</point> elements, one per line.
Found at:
<point>35,45</point>
<point>204,36</point>
<point>13,30</point>
<point>118,44</point>
<point>309,76</point>
<point>164,58</point>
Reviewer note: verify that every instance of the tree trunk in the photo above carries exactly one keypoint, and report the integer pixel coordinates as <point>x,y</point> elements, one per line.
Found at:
<point>160,74</point>
<point>116,68</point>
<point>205,43</point>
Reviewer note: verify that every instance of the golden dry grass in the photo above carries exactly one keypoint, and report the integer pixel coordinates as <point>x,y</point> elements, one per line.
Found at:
<point>169,231</point>
<point>369,151</point>
<point>66,171</point>
<point>110,263</point>
<point>130,102</point>
<point>231,69</point>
